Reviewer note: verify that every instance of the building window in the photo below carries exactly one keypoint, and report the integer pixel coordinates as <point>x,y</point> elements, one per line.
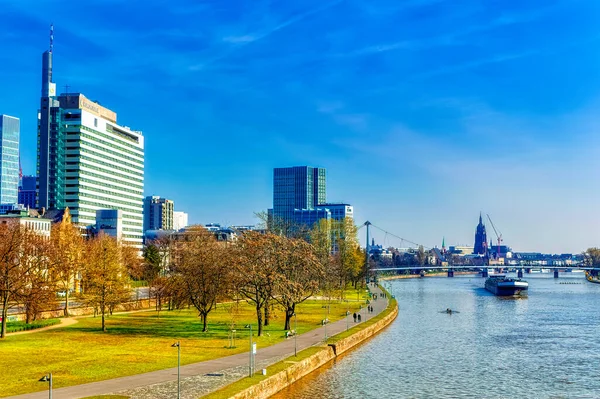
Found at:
<point>95,122</point>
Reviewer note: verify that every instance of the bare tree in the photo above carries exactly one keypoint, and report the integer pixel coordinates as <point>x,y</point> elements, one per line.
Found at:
<point>298,272</point>
<point>39,292</point>
<point>203,272</point>
<point>254,271</point>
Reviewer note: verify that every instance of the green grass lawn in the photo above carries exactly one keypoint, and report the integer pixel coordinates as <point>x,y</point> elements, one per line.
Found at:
<point>16,326</point>
<point>244,383</point>
<point>140,342</point>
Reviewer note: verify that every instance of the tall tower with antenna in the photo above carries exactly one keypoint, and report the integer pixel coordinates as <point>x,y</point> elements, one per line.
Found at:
<point>48,114</point>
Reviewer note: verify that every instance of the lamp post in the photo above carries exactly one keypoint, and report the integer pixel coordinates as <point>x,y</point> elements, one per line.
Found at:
<point>178,346</point>
<point>347,314</point>
<point>295,335</point>
<point>325,324</point>
<point>250,359</point>
<point>48,378</point>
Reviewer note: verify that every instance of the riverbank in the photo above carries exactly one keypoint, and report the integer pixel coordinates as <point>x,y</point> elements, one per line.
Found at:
<point>292,369</point>
<point>437,274</point>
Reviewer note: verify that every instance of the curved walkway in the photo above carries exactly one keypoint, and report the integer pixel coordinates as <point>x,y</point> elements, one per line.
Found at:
<point>163,383</point>
<point>64,322</point>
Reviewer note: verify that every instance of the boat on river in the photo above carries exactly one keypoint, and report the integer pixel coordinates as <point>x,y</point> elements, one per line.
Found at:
<point>501,285</point>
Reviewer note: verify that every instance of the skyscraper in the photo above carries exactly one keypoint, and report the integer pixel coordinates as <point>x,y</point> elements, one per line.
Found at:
<point>480,246</point>
<point>158,213</point>
<point>9,159</point>
<point>298,187</point>
<point>27,191</point>
<point>86,161</point>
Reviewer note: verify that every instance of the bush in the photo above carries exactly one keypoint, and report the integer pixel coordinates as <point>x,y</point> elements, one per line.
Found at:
<point>16,326</point>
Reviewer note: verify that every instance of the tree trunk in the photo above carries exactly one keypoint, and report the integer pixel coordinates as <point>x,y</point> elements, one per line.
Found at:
<point>259,319</point>
<point>4,315</point>
<point>288,317</point>
<point>28,311</point>
<point>67,299</point>
<point>267,314</point>
<point>103,310</point>
<point>204,322</point>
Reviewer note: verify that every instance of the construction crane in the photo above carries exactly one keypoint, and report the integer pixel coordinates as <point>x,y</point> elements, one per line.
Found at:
<point>498,235</point>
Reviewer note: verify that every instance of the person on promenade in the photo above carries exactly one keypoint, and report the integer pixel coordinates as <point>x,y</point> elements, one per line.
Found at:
<point>354,316</point>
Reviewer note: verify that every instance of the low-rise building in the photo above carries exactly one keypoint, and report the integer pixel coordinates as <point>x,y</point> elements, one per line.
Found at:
<point>38,225</point>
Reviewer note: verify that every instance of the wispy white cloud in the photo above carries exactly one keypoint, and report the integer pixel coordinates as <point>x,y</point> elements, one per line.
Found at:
<point>240,39</point>
<point>451,38</point>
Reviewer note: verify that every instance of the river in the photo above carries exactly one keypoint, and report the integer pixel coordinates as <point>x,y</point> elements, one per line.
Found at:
<point>543,346</point>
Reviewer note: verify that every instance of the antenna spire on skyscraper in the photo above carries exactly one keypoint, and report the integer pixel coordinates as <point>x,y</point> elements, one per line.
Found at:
<point>51,37</point>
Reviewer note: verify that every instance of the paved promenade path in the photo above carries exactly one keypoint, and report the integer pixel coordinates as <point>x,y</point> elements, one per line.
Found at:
<point>194,379</point>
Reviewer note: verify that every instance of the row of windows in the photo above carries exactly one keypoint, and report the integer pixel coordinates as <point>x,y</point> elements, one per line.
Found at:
<point>37,226</point>
<point>98,190</point>
<point>101,205</point>
<point>110,166</point>
<point>82,179</point>
<point>125,216</point>
<point>100,155</point>
<point>131,230</point>
<point>111,138</point>
<point>129,180</point>
<point>92,138</point>
<point>132,236</point>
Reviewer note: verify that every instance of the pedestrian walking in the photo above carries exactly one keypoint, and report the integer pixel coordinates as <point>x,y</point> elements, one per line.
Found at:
<point>354,316</point>
<point>359,318</point>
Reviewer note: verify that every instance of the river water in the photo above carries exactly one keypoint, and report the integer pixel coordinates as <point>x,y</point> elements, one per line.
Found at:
<point>543,346</point>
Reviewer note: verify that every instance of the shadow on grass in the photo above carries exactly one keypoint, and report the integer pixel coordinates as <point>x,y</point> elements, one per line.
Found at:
<point>168,325</point>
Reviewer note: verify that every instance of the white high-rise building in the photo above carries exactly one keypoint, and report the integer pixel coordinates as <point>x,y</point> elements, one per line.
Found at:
<point>86,161</point>
<point>180,220</point>
<point>93,164</point>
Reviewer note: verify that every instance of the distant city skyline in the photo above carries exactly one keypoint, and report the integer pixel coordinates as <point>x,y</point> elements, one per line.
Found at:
<point>422,112</point>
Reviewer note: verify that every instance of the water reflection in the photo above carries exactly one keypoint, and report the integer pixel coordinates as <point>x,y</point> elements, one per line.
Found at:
<point>542,346</point>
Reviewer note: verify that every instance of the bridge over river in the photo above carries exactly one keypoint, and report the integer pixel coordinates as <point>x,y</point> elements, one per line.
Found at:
<point>524,266</point>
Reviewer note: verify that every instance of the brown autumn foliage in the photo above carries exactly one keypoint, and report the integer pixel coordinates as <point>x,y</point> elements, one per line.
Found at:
<point>106,281</point>
<point>23,271</point>
<point>68,251</point>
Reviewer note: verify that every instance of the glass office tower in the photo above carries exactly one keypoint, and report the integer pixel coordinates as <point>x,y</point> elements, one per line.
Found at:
<point>298,187</point>
<point>9,161</point>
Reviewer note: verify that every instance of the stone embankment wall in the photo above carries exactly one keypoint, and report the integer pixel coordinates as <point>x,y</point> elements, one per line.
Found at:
<point>284,378</point>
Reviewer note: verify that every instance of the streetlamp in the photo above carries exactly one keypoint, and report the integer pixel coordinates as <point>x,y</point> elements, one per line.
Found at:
<point>295,335</point>
<point>325,324</point>
<point>347,314</point>
<point>178,346</point>
<point>48,378</point>
<point>251,357</point>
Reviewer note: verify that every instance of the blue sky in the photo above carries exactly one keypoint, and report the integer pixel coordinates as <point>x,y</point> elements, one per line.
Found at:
<point>424,112</point>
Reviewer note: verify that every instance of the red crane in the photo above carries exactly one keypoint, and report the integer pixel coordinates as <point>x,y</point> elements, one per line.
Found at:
<point>499,236</point>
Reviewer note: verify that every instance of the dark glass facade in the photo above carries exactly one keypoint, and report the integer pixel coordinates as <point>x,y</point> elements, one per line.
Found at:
<point>298,187</point>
